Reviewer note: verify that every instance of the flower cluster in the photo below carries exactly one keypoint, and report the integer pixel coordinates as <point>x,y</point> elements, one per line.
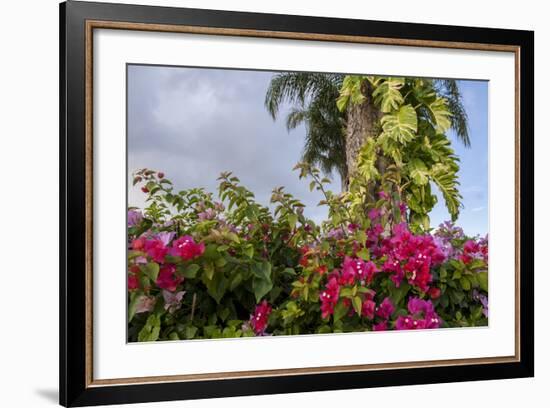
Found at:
<point>259,320</point>
<point>407,255</point>
<point>421,315</point>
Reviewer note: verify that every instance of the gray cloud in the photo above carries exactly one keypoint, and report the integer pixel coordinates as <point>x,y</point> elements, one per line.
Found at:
<point>194,123</point>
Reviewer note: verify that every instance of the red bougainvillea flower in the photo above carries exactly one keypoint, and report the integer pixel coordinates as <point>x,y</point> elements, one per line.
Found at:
<point>138,244</point>
<point>186,248</point>
<point>474,250</point>
<point>258,321</point>
<point>156,249</point>
<point>133,283</point>
<point>322,269</point>
<point>386,309</point>
<point>160,174</point>
<point>434,293</point>
<point>422,316</point>
<point>145,189</point>
<point>167,278</point>
<point>329,297</point>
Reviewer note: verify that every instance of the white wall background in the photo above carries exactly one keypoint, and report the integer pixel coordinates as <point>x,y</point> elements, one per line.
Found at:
<point>29,204</point>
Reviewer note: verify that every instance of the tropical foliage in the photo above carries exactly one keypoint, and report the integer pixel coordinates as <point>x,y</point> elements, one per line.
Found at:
<point>201,266</point>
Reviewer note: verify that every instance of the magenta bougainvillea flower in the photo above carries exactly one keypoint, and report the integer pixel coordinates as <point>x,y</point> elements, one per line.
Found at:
<point>156,249</point>
<point>386,309</point>
<point>356,269</point>
<point>329,297</point>
<point>407,255</point>
<point>421,316</point>
<point>258,321</point>
<point>367,309</point>
<point>383,325</point>
<point>186,248</point>
<point>167,278</point>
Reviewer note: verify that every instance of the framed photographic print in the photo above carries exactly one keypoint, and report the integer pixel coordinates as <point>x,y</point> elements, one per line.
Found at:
<point>256,204</point>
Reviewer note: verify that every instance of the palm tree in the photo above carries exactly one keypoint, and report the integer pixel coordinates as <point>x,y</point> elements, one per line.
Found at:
<point>334,136</point>
<point>313,96</point>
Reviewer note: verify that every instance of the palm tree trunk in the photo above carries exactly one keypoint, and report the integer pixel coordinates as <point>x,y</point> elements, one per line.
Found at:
<point>362,123</point>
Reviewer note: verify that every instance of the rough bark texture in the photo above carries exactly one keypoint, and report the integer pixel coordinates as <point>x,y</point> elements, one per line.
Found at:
<point>362,123</point>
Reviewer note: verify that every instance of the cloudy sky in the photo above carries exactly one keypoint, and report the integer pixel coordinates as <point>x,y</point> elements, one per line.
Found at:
<point>194,123</point>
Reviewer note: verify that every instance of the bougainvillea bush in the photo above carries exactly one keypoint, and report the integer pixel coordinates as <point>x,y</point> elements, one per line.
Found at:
<point>204,266</point>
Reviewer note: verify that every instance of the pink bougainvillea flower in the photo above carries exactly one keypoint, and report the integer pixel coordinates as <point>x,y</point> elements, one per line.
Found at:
<point>172,301</point>
<point>145,304</point>
<point>167,278</point>
<point>186,248</point>
<point>329,297</point>
<point>259,320</point>
<point>386,309</point>
<point>156,249</point>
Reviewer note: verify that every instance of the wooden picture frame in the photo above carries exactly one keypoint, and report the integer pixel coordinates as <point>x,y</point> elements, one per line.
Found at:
<point>78,20</point>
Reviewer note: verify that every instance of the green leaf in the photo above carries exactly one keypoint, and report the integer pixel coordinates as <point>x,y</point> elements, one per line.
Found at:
<point>387,94</point>
<point>189,271</point>
<point>209,270</point>
<point>248,250</point>
<point>217,286</point>
<point>292,220</point>
<point>465,283</point>
<point>397,294</point>
<point>364,254</point>
<point>151,330</point>
<point>134,296</point>
<point>401,125</point>
<point>357,304</point>
<point>483,279</point>
<point>440,114</point>
<point>446,180</point>
<point>261,283</point>
<point>418,172</point>
<point>151,270</point>
<point>340,310</point>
